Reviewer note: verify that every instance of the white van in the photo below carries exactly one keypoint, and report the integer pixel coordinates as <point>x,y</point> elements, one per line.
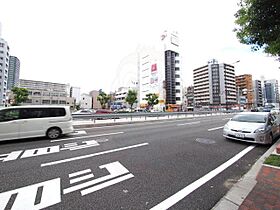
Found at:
<point>19,122</point>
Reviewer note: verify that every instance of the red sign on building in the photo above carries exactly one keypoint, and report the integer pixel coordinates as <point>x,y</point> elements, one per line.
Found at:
<point>154,67</point>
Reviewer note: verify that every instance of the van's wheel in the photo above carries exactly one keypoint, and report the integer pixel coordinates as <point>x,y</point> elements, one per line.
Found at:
<point>53,133</point>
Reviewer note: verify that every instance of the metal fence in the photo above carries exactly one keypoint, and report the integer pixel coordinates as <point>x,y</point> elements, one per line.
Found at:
<point>147,115</point>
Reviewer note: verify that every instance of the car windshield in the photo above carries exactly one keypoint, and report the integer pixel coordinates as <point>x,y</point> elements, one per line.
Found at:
<point>249,118</point>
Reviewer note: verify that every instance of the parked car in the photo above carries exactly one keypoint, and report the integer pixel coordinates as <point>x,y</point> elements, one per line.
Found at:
<point>83,112</point>
<point>275,111</point>
<point>103,111</point>
<point>34,121</point>
<point>257,127</point>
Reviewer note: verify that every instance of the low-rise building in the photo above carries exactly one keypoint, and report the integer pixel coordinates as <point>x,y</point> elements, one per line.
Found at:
<point>47,93</point>
<point>86,101</point>
<point>95,103</point>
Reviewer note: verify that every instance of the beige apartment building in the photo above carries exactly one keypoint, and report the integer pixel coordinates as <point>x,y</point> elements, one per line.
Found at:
<point>244,87</point>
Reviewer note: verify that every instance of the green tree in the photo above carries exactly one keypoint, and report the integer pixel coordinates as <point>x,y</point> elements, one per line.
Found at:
<point>20,95</point>
<point>259,25</point>
<point>131,97</point>
<point>103,98</point>
<point>152,99</point>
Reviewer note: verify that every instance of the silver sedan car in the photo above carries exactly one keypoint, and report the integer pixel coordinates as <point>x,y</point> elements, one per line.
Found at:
<point>257,127</point>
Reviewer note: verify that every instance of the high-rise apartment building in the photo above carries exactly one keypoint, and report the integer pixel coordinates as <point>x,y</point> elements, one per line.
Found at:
<point>258,94</point>
<point>4,68</point>
<point>214,85</point>
<point>271,91</point>
<point>13,73</point>
<point>173,81</point>
<point>244,86</point>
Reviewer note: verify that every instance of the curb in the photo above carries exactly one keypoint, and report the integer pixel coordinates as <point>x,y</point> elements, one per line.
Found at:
<point>238,193</point>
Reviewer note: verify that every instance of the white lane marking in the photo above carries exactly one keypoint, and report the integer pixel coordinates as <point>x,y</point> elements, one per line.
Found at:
<point>79,173</point>
<point>78,132</point>
<point>90,136</point>
<point>26,196</point>
<point>106,184</point>
<point>190,123</point>
<point>10,156</point>
<point>87,144</point>
<point>82,178</point>
<point>40,151</point>
<point>198,183</point>
<point>71,144</point>
<point>226,119</point>
<point>92,155</point>
<point>115,169</point>
<point>213,129</point>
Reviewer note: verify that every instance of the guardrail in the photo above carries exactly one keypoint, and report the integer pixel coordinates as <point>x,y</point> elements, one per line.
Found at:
<point>147,115</point>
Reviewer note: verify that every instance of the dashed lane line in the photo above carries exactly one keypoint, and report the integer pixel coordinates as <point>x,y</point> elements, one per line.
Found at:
<point>190,123</point>
<point>217,128</point>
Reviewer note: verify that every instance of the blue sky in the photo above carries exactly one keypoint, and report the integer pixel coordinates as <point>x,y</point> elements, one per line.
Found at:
<point>84,42</point>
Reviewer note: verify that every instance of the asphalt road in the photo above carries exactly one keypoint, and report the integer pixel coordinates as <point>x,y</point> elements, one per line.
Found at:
<point>176,164</point>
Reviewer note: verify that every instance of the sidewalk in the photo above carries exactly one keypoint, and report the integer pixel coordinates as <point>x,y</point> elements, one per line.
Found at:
<point>259,189</point>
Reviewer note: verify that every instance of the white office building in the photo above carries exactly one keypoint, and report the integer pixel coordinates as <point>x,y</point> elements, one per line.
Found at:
<point>151,74</point>
<point>86,101</point>
<point>4,68</point>
<point>75,92</point>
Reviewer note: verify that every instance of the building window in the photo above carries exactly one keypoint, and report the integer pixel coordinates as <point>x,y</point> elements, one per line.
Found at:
<point>54,101</point>
<point>178,91</point>
<point>177,83</point>
<point>46,101</point>
<point>28,101</point>
<point>178,99</point>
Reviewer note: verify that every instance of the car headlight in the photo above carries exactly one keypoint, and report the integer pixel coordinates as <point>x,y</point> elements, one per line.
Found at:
<point>226,127</point>
<point>260,130</point>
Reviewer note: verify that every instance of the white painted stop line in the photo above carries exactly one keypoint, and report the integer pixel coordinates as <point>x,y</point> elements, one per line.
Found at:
<point>198,183</point>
